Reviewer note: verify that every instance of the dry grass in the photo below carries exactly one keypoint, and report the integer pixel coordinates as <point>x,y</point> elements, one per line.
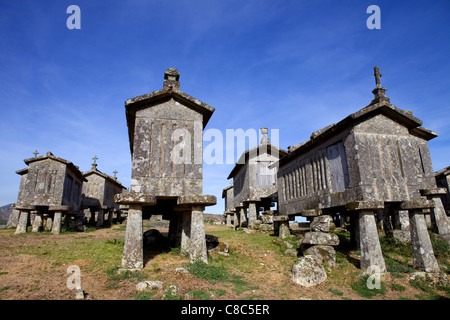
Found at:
<point>33,266</point>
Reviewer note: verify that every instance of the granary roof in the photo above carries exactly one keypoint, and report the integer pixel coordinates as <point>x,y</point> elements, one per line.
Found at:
<point>224,191</point>
<point>107,177</point>
<point>170,90</point>
<point>444,172</point>
<point>244,158</point>
<point>380,105</point>
<point>50,155</point>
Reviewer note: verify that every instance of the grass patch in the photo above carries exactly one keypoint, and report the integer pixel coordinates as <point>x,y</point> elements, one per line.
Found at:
<point>336,292</point>
<point>208,271</point>
<point>397,287</point>
<point>200,295</point>
<point>362,289</point>
<point>114,275</point>
<point>142,295</point>
<point>4,288</point>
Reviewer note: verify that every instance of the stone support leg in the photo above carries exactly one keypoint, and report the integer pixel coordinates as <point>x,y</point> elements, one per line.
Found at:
<point>284,231</point>
<point>133,251</point>
<point>371,255</point>
<point>252,214</point>
<point>13,219</point>
<point>37,223</point>
<point>423,254</point>
<point>229,220</point>
<point>92,218</point>
<point>57,219</point>
<point>23,222</point>
<point>185,246</point>
<point>49,223</point>
<point>242,217</point>
<point>110,216</point>
<point>439,216</point>
<point>403,218</point>
<point>198,242</point>
<point>100,217</point>
<point>236,219</point>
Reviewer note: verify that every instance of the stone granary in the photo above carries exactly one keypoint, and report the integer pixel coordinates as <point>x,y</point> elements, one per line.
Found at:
<point>443,181</point>
<point>165,130</point>
<point>255,183</point>
<point>375,159</point>
<point>98,195</point>
<point>50,187</point>
<point>230,211</point>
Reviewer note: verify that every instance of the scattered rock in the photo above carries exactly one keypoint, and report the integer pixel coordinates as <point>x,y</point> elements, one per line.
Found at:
<point>149,285</point>
<point>322,253</point>
<point>307,272</point>
<point>320,238</point>
<point>79,295</point>
<point>322,224</point>
<point>141,286</point>
<point>181,270</point>
<point>211,241</point>
<point>155,240</point>
<point>291,252</point>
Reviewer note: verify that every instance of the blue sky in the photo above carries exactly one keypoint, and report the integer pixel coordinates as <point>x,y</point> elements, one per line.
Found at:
<point>296,66</point>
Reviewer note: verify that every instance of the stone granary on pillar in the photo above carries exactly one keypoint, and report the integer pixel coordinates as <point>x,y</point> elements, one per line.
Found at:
<point>165,130</point>
<point>230,211</point>
<point>375,159</point>
<point>50,188</point>
<point>255,183</point>
<point>98,195</point>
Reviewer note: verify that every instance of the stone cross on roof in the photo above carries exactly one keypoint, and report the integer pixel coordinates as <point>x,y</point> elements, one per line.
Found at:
<point>35,153</point>
<point>94,165</point>
<point>115,172</point>
<point>377,75</point>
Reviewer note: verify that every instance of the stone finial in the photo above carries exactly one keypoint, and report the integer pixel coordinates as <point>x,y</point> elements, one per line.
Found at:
<point>171,79</point>
<point>379,92</point>
<point>115,173</point>
<point>35,153</point>
<point>264,139</point>
<point>94,165</point>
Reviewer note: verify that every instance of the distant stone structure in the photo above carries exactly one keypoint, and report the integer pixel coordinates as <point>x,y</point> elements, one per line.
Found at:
<point>166,142</point>
<point>254,181</point>
<point>443,181</point>
<point>230,211</point>
<point>50,188</point>
<point>98,195</point>
<point>376,159</point>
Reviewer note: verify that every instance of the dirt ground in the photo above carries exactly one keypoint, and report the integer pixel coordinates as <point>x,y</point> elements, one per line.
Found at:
<point>34,267</point>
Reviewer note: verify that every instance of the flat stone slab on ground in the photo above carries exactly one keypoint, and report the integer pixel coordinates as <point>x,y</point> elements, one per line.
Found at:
<point>307,272</point>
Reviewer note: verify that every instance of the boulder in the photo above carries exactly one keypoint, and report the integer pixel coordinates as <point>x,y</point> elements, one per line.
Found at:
<point>322,224</point>
<point>266,218</point>
<point>265,227</point>
<point>307,272</point>
<point>155,240</point>
<point>319,238</point>
<point>321,253</point>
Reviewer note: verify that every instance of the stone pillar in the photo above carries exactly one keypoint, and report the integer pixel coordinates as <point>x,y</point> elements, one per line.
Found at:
<point>284,231</point>
<point>100,217</point>
<point>236,218</point>
<point>110,216</point>
<point>423,254</point>
<point>23,222</point>
<point>92,218</point>
<point>403,219</point>
<point>371,255</point>
<point>242,217</point>
<point>56,226</point>
<point>133,251</point>
<point>48,223</point>
<point>185,246</point>
<point>229,220</point>
<point>198,241</point>
<point>252,214</point>
<point>37,223</point>
<point>439,220</point>
<point>13,219</point>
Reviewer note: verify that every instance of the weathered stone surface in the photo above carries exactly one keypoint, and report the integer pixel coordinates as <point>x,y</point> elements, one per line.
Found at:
<point>198,243</point>
<point>149,285</point>
<point>181,270</point>
<point>197,199</point>
<point>266,218</point>
<point>322,224</point>
<point>265,227</point>
<point>371,255</point>
<point>403,236</point>
<point>320,238</point>
<point>308,272</point>
<point>79,294</point>
<point>133,253</point>
<point>423,254</point>
<point>321,253</point>
<point>284,231</point>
